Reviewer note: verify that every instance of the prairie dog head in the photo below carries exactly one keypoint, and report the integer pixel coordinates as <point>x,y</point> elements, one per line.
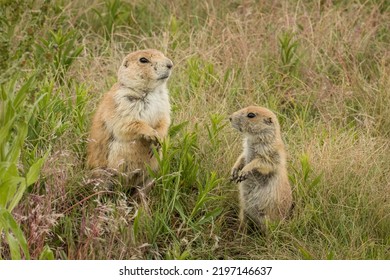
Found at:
<point>255,121</point>
<point>144,70</point>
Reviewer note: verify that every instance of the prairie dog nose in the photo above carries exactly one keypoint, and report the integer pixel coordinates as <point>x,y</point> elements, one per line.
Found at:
<point>169,65</point>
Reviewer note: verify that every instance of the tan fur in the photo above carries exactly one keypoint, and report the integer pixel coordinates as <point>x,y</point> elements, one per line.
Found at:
<point>133,116</point>
<point>265,192</point>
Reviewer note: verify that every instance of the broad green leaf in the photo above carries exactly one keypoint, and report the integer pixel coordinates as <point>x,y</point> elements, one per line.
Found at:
<point>175,129</point>
<point>16,195</point>
<point>179,208</point>
<point>34,171</point>
<point>46,254</point>
<point>13,246</point>
<point>8,188</point>
<point>5,131</point>
<point>16,147</point>
<point>4,165</point>
<point>7,219</point>
<point>22,93</point>
<point>209,216</point>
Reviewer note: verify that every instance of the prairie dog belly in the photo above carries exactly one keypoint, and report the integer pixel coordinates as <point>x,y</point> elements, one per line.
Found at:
<point>132,155</point>
<point>258,193</point>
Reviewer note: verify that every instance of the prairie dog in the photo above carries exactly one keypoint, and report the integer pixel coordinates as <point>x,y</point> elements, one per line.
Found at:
<point>265,192</point>
<point>133,116</point>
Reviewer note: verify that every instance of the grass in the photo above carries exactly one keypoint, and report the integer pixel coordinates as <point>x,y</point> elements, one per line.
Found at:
<point>323,67</point>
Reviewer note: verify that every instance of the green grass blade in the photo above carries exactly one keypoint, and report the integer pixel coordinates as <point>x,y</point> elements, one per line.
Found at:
<point>7,222</point>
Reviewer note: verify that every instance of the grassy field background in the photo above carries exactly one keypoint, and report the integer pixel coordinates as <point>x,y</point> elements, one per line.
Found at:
<point>322,66</point>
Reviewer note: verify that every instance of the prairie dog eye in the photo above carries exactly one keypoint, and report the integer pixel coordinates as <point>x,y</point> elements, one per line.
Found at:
<point>143,60</point>
<point>251,115</point>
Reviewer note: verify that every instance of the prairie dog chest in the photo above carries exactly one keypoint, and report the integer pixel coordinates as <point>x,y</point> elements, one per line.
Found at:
<point>150,109</point>
<point>249,151</point>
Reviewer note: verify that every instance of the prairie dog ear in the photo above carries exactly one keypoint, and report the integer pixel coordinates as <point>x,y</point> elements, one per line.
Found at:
<point>268,121</point>
<point>126,63</point>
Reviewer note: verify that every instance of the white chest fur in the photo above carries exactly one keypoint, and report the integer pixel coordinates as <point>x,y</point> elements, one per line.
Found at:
<point>149,109</point>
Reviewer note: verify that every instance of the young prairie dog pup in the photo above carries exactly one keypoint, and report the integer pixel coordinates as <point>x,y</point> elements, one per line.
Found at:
<point>265,192</point>
<point>132,117</point>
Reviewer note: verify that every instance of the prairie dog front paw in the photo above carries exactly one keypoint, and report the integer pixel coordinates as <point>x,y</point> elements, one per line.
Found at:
<point>234,174</point>
<point>152,137</point>
<point>242,176</point>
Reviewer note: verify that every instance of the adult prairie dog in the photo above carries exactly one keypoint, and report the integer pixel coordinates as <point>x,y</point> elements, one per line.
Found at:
<point>265,192</point>
<point>133,116</point>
